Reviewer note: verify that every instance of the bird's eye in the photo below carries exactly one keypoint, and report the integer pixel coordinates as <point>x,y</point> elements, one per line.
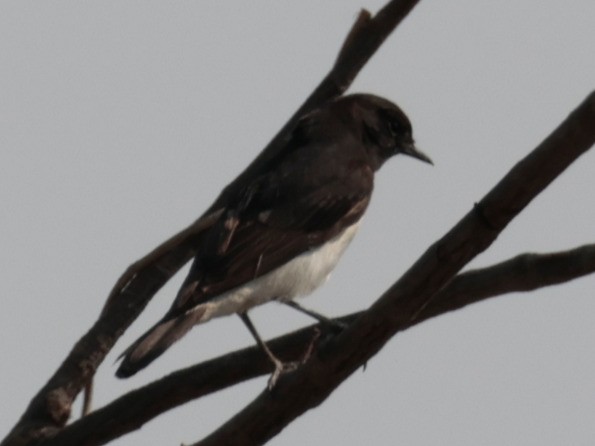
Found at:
<point>395,128</point>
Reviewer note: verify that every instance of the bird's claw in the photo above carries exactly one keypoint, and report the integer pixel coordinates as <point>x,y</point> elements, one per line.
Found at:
<point>280,369</point>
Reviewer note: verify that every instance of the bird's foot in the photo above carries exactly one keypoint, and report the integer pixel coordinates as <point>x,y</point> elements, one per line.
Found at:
<point>280,369</point>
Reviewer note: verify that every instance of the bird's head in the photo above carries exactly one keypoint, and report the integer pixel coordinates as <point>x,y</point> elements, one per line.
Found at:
<point>383,127</point>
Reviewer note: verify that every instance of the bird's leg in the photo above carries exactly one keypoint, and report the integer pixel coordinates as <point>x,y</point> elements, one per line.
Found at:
<point>280,366</point>
<point>333,324</point>
<point>311,345</point>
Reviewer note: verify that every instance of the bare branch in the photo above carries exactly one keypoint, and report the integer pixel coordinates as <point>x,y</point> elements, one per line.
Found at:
<point>522,273</point>
<point>525,272</point>
<point>312,383</point>
<point>50,408</point>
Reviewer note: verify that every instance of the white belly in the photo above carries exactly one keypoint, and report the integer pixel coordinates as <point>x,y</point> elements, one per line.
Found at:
<point>298,277</point>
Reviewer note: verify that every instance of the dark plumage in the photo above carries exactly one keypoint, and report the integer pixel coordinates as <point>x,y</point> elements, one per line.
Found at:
<point>281,231</point>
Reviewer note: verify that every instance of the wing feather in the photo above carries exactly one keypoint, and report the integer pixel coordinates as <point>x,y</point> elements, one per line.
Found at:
<point>275,218</point>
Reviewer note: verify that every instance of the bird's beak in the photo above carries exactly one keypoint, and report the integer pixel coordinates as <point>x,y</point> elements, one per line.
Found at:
<point>411,150</point>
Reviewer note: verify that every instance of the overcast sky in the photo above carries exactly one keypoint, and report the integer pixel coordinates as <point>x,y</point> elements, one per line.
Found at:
<point>122,120</point>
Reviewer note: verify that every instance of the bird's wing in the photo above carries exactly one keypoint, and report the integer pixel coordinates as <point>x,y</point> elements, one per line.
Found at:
<point>268,225</point>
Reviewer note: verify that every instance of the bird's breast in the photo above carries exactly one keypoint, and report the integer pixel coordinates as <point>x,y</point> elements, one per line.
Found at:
<point>298,277</point>
<point>309,270</point>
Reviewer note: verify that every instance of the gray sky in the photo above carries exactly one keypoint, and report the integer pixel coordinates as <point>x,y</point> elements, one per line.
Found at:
<point>121,121</point>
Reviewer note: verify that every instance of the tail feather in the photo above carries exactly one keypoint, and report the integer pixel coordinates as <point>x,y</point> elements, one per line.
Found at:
<point>153,343</point>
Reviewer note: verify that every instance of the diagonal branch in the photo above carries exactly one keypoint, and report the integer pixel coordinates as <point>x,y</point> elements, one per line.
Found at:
<point>337,359</point>
<point>50,408</point>
<point>522,273</point>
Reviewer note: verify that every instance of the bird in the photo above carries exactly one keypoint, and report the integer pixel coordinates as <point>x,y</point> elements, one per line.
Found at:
<point>281,230</point>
